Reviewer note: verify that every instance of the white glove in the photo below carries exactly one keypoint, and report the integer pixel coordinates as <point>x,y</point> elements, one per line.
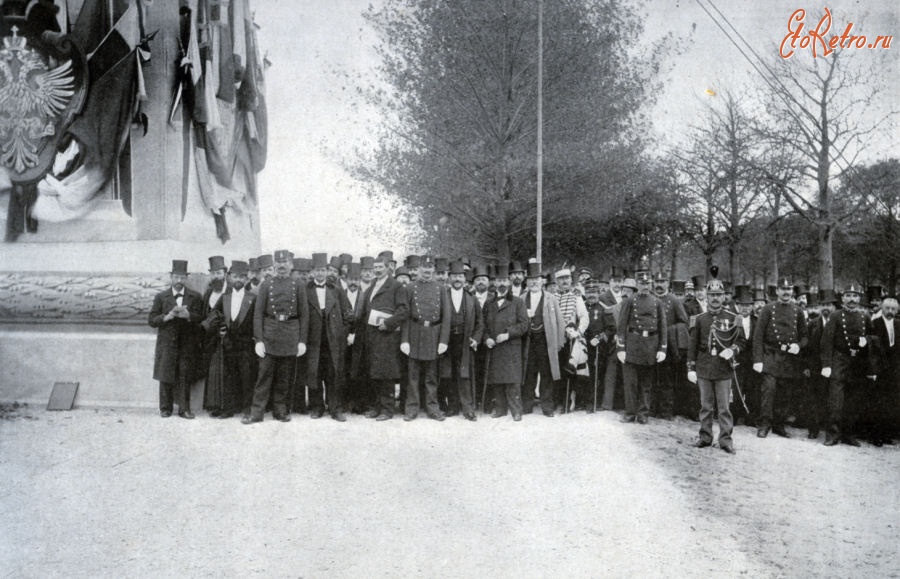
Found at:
<point>660,357</point>
<point>826,372</point>
<point>726,354</point>
<point>595,341</point>
<point>571,333</point>
<point>794,348</point>
<point>692,377</point>
<point>757,367</point>
<point>350,339</point>
<point>404,347</point>
<point>442,348</point>
<point>502,338</point>
<point>260,349</point>
<point>301,349</point>
<point>621,356</point>
<point>862,342</point>
<point>490,343</point>
<point>473,344</point>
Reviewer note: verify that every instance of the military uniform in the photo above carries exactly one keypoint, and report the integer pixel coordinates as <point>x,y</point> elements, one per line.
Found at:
<point>602,326</point>
<point>711,334</point>
<point>428,326</point>
<point>845,350</point>
<point>280,322</point>
<point>779,326</point>
<point>641,336</point>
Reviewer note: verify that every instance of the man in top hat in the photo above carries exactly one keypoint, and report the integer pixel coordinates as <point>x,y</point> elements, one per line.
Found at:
<point>874,295</point>
<point>240,366</point>
<point>713,344</point>
<point>281,331</point>
<point>333,272</point>
<point>442,271</point>
<point>401,274</point>
<point>816,384</point>
<point>253,274</point>
<point>641,344</point>
<point>358,395</point>
<point>671,372</point>
<point>613,295</point>
<point>385,309</point>
<point>517,278</point>
<point>176,314</point>
<point>387,257</point>
<point>330,321</point>
<point>366,272</point>
<point>601,340</point>
<point>480,281</point>
<point>845,362</point>
<point>885,358</point>
<point>506,321</point>
<point>425,336</point>
<point>212,296</point>
<point>780,335</point>
<point>266,264</point>
<point>747,380</point>
<point>345,259</point>
<point>544,340</point>
<point>466,331</point>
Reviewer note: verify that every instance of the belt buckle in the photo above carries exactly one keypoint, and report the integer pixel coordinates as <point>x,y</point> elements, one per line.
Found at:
<point>426,323</point>
<point>282,318</point>
<point>645,334</point>
<point>852,353</point>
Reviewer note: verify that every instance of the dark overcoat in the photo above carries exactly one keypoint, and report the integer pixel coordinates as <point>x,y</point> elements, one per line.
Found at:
<point>642,329</point>
<point>780,324</point>
<point>506,358</point>
<point>473,330</point>
<point>337,321</point>
<point>382,348</point>
<point>177,341</point>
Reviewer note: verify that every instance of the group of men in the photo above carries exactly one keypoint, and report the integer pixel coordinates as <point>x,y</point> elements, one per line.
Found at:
<point>295,335</point>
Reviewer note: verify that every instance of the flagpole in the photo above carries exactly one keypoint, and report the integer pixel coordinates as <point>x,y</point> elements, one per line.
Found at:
<point>540,131</point>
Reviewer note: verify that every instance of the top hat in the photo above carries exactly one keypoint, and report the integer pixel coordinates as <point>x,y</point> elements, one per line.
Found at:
<point>386,256</point>
<point>252,264</point>
<point>319,260</point>
<point>283,255</point>
<point>678,286</point>
<point>698,281</point>
<point>534,270</point>
<point>239,268</point>
<point>516,267</point>
<point>480,271</point>
<point>179,267</point>
<point>264,261</point>
<point>759,294</point>
<point>812,299</point>
<point>457,267</point>
<point>346,258</point>
<point>549,279</point>
<point>354,271</point>
<point>827,296</point>
<point>297,264</point>
<point>501,270</point>
<point>742,294</point>
<point>616,272</point>
<point>335,262</point>
<point>441,264</point>
<point>366,262</point>
<point>412,261</point>
<point>216,263</point>
<point>873,293</point>
<point>772,292</point>
<point>727,286</point>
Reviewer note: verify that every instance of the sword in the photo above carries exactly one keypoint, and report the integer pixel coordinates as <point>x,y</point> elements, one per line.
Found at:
<point>487,371</point>
<point>737,387</point>
<point>596,373</point>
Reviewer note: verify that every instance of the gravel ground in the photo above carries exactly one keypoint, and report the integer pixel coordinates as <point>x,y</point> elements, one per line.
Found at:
<point>125,493</point>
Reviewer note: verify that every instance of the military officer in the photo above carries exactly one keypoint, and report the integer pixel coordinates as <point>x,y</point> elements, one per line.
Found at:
<point>641,344</point>
<point>845,362</point>
<point>281,330</point>
<point>715,339</point>
<point>176,314</point>
<point>673,369</point>
<point>780,334</point>
<point>425,337</point>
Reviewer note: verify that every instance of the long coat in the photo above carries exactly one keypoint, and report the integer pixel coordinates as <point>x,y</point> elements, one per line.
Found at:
<point>337,320</point>
<point>239,335</point>
<point>642,314</point>
<point>382,348</point>
<point>354,358</point>
<point>473,330</point>
<point>554,329</point>
<point>177,341</point>
<point>506,358</point>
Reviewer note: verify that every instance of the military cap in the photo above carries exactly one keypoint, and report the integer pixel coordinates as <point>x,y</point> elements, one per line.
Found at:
<point>586,270</point>
<point>642,276</point>
<point>661,277</point>
<point>853,288</point>
<point>426,261</point>
<point>688,285</point>
<point>441,264</point>
<point>179,267</point>
<point>239,268</point>
<point>264,261</point>
<point>785,283</point>
<point>216,263</point>
<point>367,262</point>
<point>253,264</point>
<point>319,260</point>
<point>591,285</point>
<point>715,286</point>
<point>563,272</point>
<point>283,255</point>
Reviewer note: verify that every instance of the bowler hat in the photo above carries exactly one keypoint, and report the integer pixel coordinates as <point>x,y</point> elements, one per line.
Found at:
<point>179,267</point>
<point>216,263</point>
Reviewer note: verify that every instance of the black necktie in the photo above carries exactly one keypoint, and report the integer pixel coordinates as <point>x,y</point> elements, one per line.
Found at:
<point>179,296</point>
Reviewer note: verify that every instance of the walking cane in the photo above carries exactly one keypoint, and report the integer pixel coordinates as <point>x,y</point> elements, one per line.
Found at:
<point>472,377</point>
<point>487,371</point>
<point>596,373</point>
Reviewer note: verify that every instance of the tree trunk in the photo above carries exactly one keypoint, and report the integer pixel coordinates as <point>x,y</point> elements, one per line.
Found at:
<point>826,263</point>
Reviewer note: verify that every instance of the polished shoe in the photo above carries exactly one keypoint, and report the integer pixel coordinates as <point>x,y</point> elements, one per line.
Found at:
<point>830,441</point>
<point>702,444</point>
<point>186,414</point>
<point>215,413</point>
<point>339,416</point>
<point>317,413</point>
<point>409,417</point>
<point>642,420</point>
<point>165,413</point>
<point>250,420</point>
<point>813,434</point>
<point>549,413</point>
<point>727,448</point>
<point>627,419</point>
<point>849,440</point>
<point>762,432</point>
<point>517,417</point>
<point>226,415</point>
<point>382,417</point>
<point>438,416</point>
<point>470,416</point>
<point>780,431</point>
<point>497,414</point>
<point>371,414</point>
<point>282,417</point>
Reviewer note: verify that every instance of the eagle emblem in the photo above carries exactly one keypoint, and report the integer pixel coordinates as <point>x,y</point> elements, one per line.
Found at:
<point>32,98</point>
